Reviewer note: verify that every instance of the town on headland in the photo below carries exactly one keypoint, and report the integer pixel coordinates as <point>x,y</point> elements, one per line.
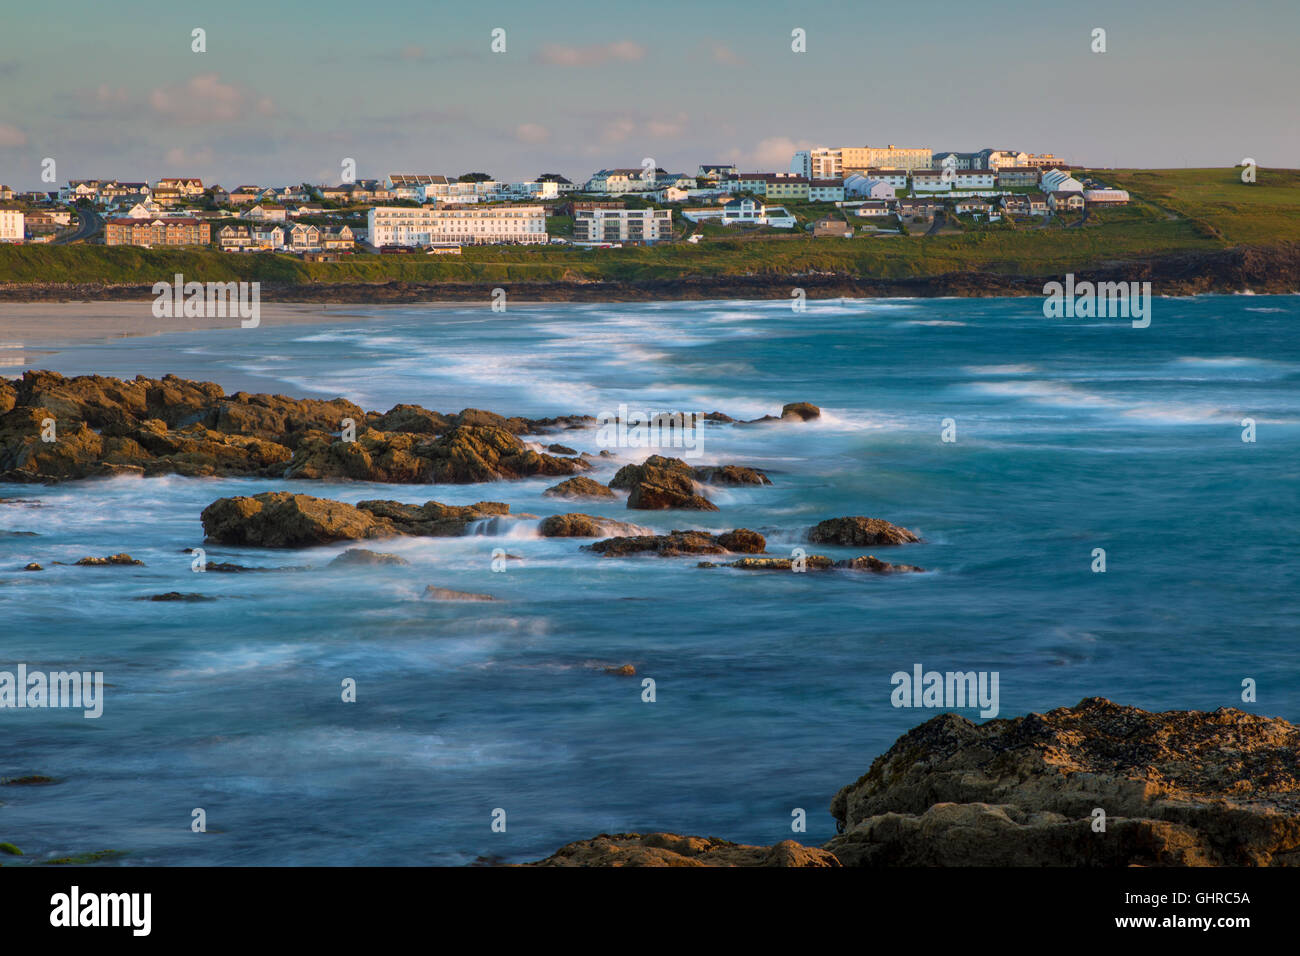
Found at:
<point>870,220</point>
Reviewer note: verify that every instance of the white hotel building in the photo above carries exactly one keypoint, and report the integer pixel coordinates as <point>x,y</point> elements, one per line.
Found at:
<point>467,225</point>
<point>12,225</point>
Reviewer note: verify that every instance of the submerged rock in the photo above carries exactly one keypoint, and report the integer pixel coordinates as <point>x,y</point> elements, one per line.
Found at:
<point>112,559</point>
<point>360,556</point>
<point>447,594</point>
<point>669,849</point>
<point>676,543</point>
<point>33,567</point>
<point>627,670</point>
<point>817,562</point>
<point>176,596</point>
<point>859,531</point>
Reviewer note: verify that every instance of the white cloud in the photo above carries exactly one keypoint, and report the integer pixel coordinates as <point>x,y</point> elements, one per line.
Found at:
<point>556,54</point>
<point>725,55</point>
<point>206,99</point>
<point>771,154</point>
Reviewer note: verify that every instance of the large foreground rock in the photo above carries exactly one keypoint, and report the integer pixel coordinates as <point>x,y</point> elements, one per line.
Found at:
<point>659,483</point>
<point>1179,788</point>
<point>669,849</point>
<point>280,519</point>
<point>575,524</point>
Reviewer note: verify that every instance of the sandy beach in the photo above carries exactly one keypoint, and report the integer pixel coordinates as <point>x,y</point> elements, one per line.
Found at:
<point>36,324</point>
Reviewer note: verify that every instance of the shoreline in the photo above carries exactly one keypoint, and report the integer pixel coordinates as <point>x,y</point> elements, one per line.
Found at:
<point>1271,269</point>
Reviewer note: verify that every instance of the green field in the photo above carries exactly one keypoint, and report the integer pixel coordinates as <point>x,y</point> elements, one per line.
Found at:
<point>1174,211</point>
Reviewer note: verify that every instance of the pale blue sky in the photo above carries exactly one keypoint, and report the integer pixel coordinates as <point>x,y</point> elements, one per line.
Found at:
<point>288,89</point>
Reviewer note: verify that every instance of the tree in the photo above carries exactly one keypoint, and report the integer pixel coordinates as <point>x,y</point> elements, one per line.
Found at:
<point>474,178</point>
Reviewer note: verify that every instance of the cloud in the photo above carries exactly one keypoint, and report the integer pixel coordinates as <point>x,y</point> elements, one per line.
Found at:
<point>556,54</point>
<point>620,129</point>
<point>206,99</point>
<point>12,136</point>
<point>725,55</point>
<point>532,133</point>
<point>773,153</point>
<point>176,156</point>
<point>106,95</point>
<point>412,52</point>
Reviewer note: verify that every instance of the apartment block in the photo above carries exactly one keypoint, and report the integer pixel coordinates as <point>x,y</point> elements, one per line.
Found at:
<point>163,231</point>
<point>622,225</point>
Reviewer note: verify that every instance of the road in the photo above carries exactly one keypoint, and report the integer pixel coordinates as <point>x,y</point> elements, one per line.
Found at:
<point>90,223</point>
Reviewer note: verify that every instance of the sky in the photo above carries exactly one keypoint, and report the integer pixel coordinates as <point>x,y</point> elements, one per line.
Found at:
<point>287,90</point>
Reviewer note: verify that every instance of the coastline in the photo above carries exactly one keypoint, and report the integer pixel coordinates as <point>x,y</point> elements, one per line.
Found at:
<point>1272,269</point>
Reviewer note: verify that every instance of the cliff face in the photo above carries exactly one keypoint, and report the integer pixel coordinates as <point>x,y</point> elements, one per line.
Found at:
<point>1261,269</point>
<point>1092,785</point>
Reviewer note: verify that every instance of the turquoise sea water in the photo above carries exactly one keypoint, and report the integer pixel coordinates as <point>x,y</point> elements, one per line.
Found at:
<point>773,690</point>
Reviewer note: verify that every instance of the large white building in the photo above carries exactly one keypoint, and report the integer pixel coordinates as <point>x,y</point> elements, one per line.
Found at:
<point>468,225</point>
<point>838,162</point>
<point>620,182</point>
<point>622,225</point>
<point>12,225</point>
<point>863,187</point>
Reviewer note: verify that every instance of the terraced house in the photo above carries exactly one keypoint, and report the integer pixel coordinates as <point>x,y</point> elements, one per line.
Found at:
<point>163,231</point>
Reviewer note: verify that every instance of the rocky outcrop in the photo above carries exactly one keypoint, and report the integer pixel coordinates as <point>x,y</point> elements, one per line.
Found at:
<point>659,483</point>
<point>280,519</point>
<point>580,487</point>
<point>669,849</point>
<point>112,559</point>
<point>817,562</point>
<point>578,525</point>
<point>729,475</point>
<point>859,532</point>
<point>678,543</point>
<point>54,428</point>
<point>1178,788</point>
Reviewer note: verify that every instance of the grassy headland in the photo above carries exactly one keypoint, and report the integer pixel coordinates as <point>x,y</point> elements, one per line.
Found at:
<point>1180,221</point>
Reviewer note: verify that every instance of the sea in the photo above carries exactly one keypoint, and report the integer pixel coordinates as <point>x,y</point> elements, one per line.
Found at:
<point>1105,511</point>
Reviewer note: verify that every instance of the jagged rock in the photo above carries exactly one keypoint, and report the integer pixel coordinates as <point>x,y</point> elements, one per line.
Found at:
<point>670,849</point>
<point>558,449</point>
<point>360,556</point>
<point>474,453</point>
<point>681,542</point>
<point>112,559</point>
<point>1178,788</point>
<point>280,519</point>
<point>578,525</point>
<point>447,594</point>
<point>858,531</point>
<point>580,487</point>
<point>659,483</point>
<point>33,567</point>
<point>410,418</point>
<point>730,475</point>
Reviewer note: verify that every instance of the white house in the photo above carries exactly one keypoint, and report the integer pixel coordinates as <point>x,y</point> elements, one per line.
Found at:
<point>268,237</point>
<point>862,187</point>
<point>747,210</point>
<point>974,178</point>
<point>1059,181</point>
<point>825,190</point>
<point>619,182</point>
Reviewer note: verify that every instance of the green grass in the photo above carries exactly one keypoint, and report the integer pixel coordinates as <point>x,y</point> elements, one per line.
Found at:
<point>1173,211</point>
